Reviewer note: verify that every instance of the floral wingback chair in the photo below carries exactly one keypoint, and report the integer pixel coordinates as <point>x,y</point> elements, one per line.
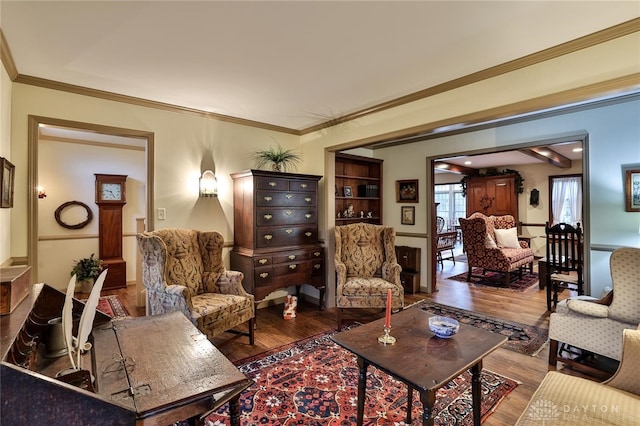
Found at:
<point>182,270</point>
<point>494,251</point>
<point>366,267</point>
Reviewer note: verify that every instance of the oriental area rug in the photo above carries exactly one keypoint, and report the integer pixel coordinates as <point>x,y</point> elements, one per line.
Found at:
<point>496,280</point>
<point>314,382</point>
<point>112,306</point>
<point>523,338</point>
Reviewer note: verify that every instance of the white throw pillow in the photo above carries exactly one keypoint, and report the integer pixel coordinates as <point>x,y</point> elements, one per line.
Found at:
<point>507,238</point>
<point>489,243</point>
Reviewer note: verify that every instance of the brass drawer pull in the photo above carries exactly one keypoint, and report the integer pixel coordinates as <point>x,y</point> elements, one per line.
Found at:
<point>308,215</point>
<point>308,234</point>
<point>292,256</point>
<point>288,212</point>
<point>263,261</point>
<point>288,231</point>
<point>267,199</point>
<point>292,267</point>
<point>308,199</point>
<point>273,184</point>
<point>317,266</point>
<point>316,253</point>
<point>268,216</point>
<point>303,186</point>
<point>268,237</point>
<point>289,196</point>
<point>264,275</point>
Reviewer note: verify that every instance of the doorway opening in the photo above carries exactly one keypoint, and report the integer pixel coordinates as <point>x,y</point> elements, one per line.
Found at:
<point>531,220</point>
<point>58,151</point>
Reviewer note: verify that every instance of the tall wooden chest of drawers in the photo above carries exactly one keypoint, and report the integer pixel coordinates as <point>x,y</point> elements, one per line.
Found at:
<point>276,232</point>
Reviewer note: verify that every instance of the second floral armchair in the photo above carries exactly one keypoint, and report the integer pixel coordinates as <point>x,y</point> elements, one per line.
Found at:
<point>366,267</point>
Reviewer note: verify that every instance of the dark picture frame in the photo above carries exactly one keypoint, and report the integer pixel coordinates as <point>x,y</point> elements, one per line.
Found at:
<point>408,215</point>
<point>407,191</point>
<point>632,190</point>
<point>347,191</point>
<point>6,183</point>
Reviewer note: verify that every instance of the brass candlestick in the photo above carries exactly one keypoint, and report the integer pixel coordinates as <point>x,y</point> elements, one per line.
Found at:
<point>386,338</point>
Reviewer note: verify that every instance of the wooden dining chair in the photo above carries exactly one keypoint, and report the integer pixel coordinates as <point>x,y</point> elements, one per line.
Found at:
<point>564,261</point>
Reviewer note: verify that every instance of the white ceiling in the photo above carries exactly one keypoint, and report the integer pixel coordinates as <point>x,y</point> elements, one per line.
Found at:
<point>292,64</point>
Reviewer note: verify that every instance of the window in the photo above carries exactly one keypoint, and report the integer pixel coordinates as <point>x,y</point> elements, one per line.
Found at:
<point>565,202</point>
<point>452,204</point>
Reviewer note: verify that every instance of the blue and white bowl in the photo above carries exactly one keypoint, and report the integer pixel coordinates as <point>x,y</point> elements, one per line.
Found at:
<point>443,327</point>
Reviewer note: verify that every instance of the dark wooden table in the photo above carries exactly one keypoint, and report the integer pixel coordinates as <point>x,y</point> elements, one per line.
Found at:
<point>172,371</point>
<point>418,358</point>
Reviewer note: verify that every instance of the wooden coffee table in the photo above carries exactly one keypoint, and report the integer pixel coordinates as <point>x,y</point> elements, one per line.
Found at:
<point>418,358</point>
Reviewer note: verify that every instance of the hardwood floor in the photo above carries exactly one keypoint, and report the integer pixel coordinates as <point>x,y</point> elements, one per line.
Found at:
<point>527,307</point>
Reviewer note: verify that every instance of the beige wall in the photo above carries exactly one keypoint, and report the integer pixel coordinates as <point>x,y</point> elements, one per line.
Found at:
<point>182,139</point>
<point>66,171</point>
<point>182,142</point>
<point>5,151</point>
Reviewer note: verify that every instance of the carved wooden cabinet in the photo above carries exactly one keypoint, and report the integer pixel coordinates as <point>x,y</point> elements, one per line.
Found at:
<point>409,259</point>
<point>276,232</point>
<point>492,195</point>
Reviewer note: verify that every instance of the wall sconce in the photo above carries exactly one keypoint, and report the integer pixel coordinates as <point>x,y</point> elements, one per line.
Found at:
<point>41,193</point>
<point>208,184</point>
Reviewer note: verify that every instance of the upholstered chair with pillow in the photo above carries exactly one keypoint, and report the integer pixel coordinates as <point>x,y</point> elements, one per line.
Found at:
<point>491,244</point>
<point>366,267</point>
<point>596,326</point>
<point>182,270</point>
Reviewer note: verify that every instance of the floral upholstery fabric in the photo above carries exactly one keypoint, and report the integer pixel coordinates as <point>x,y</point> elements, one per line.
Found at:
<point>182,270</point>
<point>366,267</point>
<point>599,328</point>
<point>475,229</point>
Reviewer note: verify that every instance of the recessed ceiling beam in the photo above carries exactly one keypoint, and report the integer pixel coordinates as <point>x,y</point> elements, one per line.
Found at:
<point>454,168</point>
<point>548,155</point>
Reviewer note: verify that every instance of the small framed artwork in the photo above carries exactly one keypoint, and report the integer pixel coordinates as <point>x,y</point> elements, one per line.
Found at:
<point>408,215</point>
<point>407,191</point>
<point>6,183</point>
<point>347,191</point>
<point>632,191</point>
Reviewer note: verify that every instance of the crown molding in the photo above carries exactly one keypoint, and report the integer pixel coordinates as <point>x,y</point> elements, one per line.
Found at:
<point>7,58</point>
<point>102,94</point>
<point>574,99</point>
<point>584,42</point>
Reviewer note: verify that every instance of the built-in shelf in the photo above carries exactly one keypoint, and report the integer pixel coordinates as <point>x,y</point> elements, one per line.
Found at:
<point>363,175</point>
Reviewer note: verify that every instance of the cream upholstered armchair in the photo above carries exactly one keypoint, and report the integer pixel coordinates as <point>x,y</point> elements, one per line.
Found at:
<point>182,270</point>
<point>491,244</point>
<point>594,326</point>
<point>587,400</point>
<point>366,267</point>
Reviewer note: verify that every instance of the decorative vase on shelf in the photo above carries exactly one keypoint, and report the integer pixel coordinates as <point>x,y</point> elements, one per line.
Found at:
<point>86,285</point>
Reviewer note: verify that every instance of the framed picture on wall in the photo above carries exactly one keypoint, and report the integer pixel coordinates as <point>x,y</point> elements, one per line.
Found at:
<point>632,190</point>
<point>6,183</point>
<point>408,215</point>
<point>407,191</point>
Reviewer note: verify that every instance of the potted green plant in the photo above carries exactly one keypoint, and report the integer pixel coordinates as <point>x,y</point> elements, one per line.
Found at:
<point>279,158</point>
<point>86,271</point>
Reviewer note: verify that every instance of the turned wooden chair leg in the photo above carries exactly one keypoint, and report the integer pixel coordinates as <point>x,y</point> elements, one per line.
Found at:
<point>553,354</point>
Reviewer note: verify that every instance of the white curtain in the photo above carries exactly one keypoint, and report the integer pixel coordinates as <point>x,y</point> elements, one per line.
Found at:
<point>567,192</point>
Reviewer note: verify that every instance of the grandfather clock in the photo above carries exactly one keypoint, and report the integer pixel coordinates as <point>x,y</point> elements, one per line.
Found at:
<point>110,198</point>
